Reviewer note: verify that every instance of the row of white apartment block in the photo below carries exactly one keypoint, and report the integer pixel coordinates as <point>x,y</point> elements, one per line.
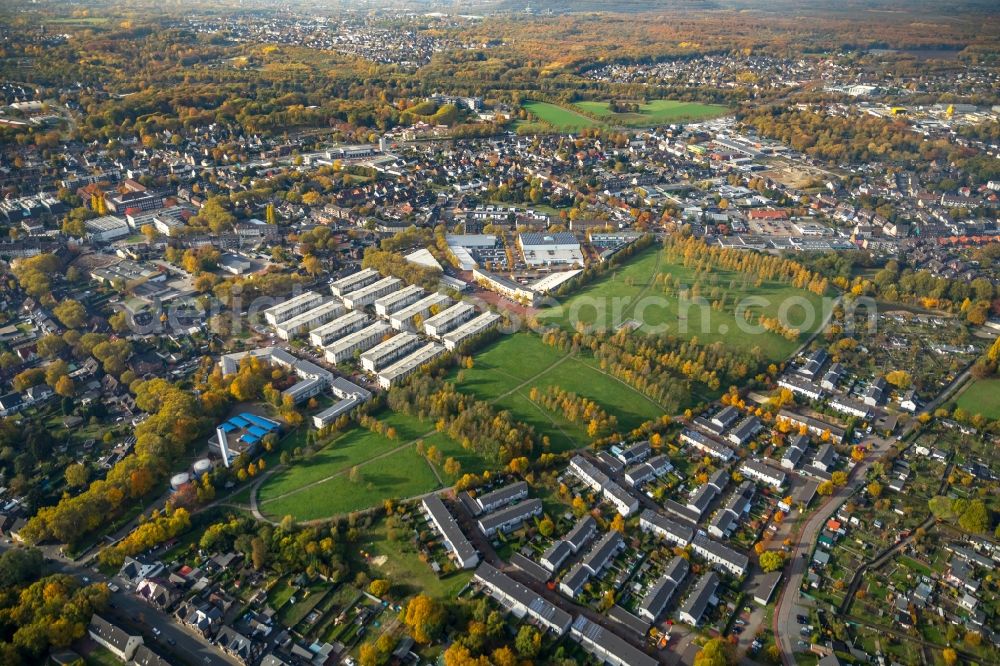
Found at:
<point>366,296</point>
<point>308,320</point>
<point>396,301</point>
<point>389,351</point>
<point>469,329</point>
<point>293,306</point>
<point>405,319</point>
<point>400,370</point>
<point>362,340</point>
<point>354,281</point>
<point>338,328</point>
<point>448,320</point>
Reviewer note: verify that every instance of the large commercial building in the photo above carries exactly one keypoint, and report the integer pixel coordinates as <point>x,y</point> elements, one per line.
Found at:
<point>403,320</point>
<point>549,249</point>
<point>309,320</point>
<point>338,328</point>
<point>354,281</point>
<point>400,370</point>
<point>367,295</point>
<point>293,306</point>
<point>106,229</point>
<point>448,320</point>
<point>455,542</point>
<point>398,300</point>
<point>469,329</point>
<point>359,341</point>
<point>388,352</point>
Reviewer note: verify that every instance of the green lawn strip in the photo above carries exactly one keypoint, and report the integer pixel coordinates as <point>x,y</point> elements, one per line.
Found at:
<point>400,563</point>
<point>982,396</point>
<point>349,449</point>
<point>402,474</point>
<point>616,298</point>
<point>557,116</point>
<point>657,111</point>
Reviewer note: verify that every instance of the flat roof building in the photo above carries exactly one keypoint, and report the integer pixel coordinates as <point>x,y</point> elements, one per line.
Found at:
<point>367,295</point>
<point>448,320</point>
<point>548,249</point>
<point>296,305</point>
<point>402,369</point>
<point>338,328</point>
<point>398,300</point>
<point>403,320</point>
<point>469,329</point>
<point>388,352</point>
<point>354,281</point>
<point>346,347</point>
<point>309,319</point>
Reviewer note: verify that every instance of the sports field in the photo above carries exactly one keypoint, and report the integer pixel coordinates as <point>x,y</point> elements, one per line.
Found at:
<point>505,372</point>
<point>628,296</point>
<point>558,117</point>
<point>981,397</point>
<point>656,112</point>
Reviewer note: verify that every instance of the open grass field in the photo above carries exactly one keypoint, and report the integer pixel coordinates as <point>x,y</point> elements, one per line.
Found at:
<point>558,117</point>
<point>505,372</point>
<point>399,475</point>
<point>628,294</point>
<point>982,396</point>
<point>399,562</point>
<point>320,486</point>
<point>656,112</point>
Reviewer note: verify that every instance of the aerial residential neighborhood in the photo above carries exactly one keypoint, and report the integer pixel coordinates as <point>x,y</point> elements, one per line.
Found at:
<point>499,333</point>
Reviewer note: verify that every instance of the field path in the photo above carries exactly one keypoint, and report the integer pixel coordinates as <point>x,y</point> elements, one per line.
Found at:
<point>384,454</point>
<point>562,359</point>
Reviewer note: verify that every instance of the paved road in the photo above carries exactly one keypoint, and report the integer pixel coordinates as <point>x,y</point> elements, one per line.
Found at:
<point>132,612</point>
<point>784,625</point>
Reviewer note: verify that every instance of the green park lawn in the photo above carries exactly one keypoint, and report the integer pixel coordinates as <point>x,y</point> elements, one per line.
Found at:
<point>982,396</point>
<point>505,372</point>
<point>612,301</point>
<point>656,112</point>
<point>558,117</point>
<point>399,475</point>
